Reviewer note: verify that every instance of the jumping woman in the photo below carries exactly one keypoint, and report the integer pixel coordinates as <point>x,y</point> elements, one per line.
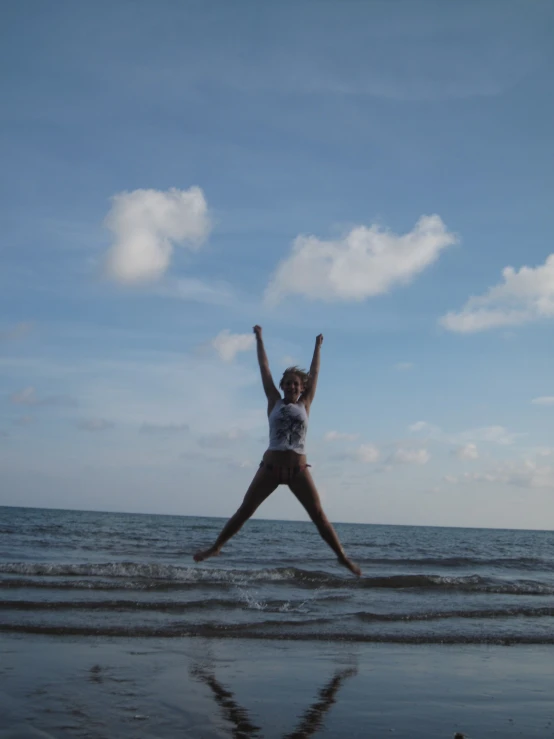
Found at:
<point>284,462</point>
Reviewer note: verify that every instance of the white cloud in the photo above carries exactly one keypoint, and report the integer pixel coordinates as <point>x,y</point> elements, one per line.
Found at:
<point>146,224</point>
<point>526,474</point>
<point>403,366</point>
<point>545,400</point>
<point>420,426</point>
<point>366,262</point>
<point>450,479</point>
<point>16,332</point>
<point>467,451</point>
<point>531,475</point>
<point>489,434</point>
<point>228,345</point>
<point>410,456</point>
<point>525,295</point>
<point>94,424</point>
<point>430,431</point>
<point>367,453</point>
<point>339,436</point>
<point>288,361</point>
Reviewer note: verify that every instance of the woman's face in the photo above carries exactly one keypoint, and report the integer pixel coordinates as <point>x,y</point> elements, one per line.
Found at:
<point>292,387</point>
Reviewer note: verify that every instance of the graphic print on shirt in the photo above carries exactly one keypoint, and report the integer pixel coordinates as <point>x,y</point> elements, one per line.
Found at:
<point>289,427</point>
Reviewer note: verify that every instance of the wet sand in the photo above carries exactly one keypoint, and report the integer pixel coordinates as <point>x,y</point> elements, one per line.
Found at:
<point>108,688</point>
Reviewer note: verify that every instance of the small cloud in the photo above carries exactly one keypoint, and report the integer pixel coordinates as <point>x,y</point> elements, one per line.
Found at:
<point>94,424</point>
<point>544,400</point>
<point>466,451</point>
<point>368,261</point>
<point>484,477</point>
<point>420,426</point>
<point>16,332</point>
<point>450,479</point>
<point>492,435</point>
<point>525,295</point>
<point>367,453</point>
<point>465,439</point>
<point>164,428</point>
<point>288,361</point>
<point>146,224</point>
<point>28,396</point>
<point>339,436</point>
<point>4,434</point>
<point>403,366</point>
<point>227,345</point>
<point>410,456</point>
<point>526,474</point>
<point>428,429</point>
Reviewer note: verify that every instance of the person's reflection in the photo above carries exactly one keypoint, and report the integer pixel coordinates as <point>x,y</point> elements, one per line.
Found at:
<point>242,725</point>
<point>312,720</point>
<point>244,728</point>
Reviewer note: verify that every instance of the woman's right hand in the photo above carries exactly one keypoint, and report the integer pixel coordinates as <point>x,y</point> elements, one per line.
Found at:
<point>258,331</point>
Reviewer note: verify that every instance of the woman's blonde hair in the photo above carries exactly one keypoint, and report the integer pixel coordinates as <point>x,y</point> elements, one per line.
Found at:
<point>302,374</point>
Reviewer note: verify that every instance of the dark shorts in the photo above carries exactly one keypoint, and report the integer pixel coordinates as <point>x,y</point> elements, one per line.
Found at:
<point>284,475</point>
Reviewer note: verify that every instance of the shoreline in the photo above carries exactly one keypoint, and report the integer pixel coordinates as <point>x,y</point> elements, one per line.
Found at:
<point>223,633</point>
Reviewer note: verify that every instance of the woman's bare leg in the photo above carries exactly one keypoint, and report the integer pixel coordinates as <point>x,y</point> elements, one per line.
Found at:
<point>261,487</point>
<point>305,490</point>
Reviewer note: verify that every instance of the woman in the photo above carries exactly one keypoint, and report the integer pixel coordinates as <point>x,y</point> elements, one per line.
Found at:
<point>284,462</point>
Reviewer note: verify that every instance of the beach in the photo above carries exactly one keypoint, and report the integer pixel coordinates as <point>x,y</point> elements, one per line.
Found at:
<point>108,629</point>
<point>197,687</point>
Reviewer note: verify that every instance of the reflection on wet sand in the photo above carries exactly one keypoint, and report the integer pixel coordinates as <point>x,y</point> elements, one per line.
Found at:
<point>244,728</point>
<point>238,716</point>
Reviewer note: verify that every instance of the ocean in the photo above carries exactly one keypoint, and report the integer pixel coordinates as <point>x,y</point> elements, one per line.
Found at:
<point>79,574</point>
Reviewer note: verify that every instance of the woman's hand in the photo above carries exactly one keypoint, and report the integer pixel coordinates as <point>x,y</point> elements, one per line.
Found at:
<point>319,340</point>
<point>258,331</point>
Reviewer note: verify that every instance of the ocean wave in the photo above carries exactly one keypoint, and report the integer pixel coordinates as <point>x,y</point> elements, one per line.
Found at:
<point>109,585</point>
<point>153,576</point>
<point>474,583</point>
<point>517,563</point>
<point>205,604</point>
<point>483,613</point>
<point>155,571</point>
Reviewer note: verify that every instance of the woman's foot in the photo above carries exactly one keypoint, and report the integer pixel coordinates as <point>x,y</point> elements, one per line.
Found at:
<point>200,556</point>
<point>352,566</point>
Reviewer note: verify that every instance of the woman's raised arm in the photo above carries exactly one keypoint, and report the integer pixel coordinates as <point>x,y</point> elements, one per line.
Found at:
<point>309,392</point>
<point>267,380</point>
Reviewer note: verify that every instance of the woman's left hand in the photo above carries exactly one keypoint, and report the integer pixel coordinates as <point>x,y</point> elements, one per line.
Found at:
<point>319,339</point>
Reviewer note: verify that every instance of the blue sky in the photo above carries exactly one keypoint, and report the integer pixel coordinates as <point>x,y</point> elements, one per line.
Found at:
<point>379,172</point>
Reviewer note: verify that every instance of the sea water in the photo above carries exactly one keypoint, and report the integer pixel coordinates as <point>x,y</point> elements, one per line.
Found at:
<point>119,574</point>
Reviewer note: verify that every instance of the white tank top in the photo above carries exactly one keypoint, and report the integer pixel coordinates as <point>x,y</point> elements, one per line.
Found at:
<point>288,424</point>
